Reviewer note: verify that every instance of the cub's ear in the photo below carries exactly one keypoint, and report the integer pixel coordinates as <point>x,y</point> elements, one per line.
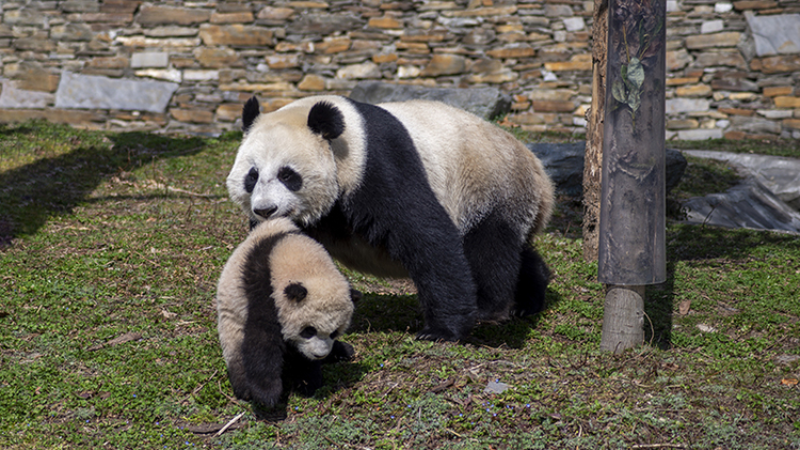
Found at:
<point>295,292</point>
<point>250,112</point>
<point>355,296</point>
<point>326,120</point>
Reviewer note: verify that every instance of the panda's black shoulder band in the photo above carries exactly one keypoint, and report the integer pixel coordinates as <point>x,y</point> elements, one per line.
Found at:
<point>326,120</point>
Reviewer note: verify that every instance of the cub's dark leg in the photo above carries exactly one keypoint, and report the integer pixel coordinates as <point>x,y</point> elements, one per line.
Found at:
<point>303,375</point>
<point>263,364</point>
<point>493,252</point>
<point>532,285</point>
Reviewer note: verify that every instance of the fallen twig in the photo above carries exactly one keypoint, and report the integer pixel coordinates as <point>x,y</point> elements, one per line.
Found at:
<point>228,425</point>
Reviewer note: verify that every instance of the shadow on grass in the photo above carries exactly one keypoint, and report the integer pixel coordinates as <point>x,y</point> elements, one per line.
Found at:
<point>337,376</point>
<point>401,313</point>
<point>658,308</point>
<point>696,242</point>
<point>699,243</point>
<point>50,187</point>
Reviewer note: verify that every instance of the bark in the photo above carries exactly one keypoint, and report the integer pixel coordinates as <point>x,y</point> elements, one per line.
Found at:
<point>593,159</point>
<point>623,318</point>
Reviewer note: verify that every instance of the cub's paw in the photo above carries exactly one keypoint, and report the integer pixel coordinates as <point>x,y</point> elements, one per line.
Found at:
<point>342,351</point>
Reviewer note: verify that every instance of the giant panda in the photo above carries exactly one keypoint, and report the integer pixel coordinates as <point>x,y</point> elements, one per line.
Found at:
<point>417,189</point>
<point>281,304</point>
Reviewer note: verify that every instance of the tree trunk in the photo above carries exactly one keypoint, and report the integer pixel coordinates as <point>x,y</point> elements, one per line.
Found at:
<point>623,319</point>
<point>593,159</point>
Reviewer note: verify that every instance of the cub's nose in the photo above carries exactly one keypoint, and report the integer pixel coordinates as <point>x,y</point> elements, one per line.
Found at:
<point>266,212</point>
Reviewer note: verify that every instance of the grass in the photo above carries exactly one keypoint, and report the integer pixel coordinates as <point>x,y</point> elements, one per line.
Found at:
<point>111,244</point>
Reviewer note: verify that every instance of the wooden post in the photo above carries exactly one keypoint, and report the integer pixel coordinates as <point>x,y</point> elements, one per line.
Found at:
<point>631,234</point>
<point>623,318</point>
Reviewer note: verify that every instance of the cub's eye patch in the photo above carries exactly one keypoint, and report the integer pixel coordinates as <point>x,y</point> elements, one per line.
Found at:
<point>335,334</point>
<point>291,179</point>
<point>308,332</point>
<point>250,180</point>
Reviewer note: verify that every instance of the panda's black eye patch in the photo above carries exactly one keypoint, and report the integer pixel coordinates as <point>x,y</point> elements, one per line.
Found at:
<point>308,332</point>
<point>250,180</point>
<point>335,334</point>
<point>291,179</point>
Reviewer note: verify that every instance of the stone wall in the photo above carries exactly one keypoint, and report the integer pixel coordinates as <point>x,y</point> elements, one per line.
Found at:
<point>734,67</point>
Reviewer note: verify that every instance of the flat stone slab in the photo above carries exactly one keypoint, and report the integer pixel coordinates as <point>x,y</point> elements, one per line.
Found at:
<point>92,91</point>
<point>486,102</point>
<point>12,97</point>
<point>775,35</point>
<point>778,174</point>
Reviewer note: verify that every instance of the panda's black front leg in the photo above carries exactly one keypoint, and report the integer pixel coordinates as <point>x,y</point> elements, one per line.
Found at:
<point>436,263</point>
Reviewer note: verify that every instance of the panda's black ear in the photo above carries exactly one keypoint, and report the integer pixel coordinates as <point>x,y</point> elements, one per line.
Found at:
<point>250,111</point>
<point>326,120</point>
<point>355,296</point>
<point>295,292</point>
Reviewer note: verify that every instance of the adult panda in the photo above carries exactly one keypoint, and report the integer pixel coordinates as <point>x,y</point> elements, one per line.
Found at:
<point>281,304</point>
<point>415,188</point>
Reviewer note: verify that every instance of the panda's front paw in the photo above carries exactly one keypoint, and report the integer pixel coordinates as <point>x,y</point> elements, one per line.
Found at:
<point>429,334</point>
<point>342,351</point>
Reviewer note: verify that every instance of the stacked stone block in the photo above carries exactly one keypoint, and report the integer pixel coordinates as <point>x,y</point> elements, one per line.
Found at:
<point>188,66</point>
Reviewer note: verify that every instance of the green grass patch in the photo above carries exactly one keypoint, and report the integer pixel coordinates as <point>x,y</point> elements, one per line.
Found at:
<point>110,249</point>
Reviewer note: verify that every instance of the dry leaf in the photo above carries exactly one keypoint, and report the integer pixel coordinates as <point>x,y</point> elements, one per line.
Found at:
<point>789,381</point>
<point>683,308</point>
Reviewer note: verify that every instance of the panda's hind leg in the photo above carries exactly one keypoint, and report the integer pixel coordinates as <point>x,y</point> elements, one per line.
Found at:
<point>493,252</point>
<point>532,284</point>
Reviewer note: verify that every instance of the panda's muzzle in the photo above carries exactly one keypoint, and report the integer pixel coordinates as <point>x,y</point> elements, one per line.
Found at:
<point>266,212</point>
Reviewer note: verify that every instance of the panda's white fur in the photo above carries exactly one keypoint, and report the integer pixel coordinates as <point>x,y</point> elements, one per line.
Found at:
<point>413,188</point>
<point>282,138</point>
<point>280,301</point>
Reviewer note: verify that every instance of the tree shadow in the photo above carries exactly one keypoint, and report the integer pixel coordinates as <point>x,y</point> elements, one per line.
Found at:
<point>700,243</point>
<point>32,194</point>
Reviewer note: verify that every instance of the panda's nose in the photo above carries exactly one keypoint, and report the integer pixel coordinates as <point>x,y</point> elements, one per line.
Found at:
<point>266,212</point>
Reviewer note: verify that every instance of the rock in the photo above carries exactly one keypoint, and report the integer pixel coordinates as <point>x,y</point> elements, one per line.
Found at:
<point>721,57</point>
<point>699,41</point>
<point>678,59</point>
<point>564,164</point>
<point>779,34</point>
<point>787,102</point>
<point>755,125</point>
<point>442,64</point>
<point>150,15</point>
<point>700,134</point>
<point>325,24</point>
<point>88,91</point>
<point>149,59</point>
<point>486,102</point>
<point>777,64</point>
<point>235,35</point>
<point>12,96</point>
<point>679,105</point>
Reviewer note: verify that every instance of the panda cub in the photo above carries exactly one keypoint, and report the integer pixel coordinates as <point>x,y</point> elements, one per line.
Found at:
<point>412,189</point>
<point>281,304</point>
